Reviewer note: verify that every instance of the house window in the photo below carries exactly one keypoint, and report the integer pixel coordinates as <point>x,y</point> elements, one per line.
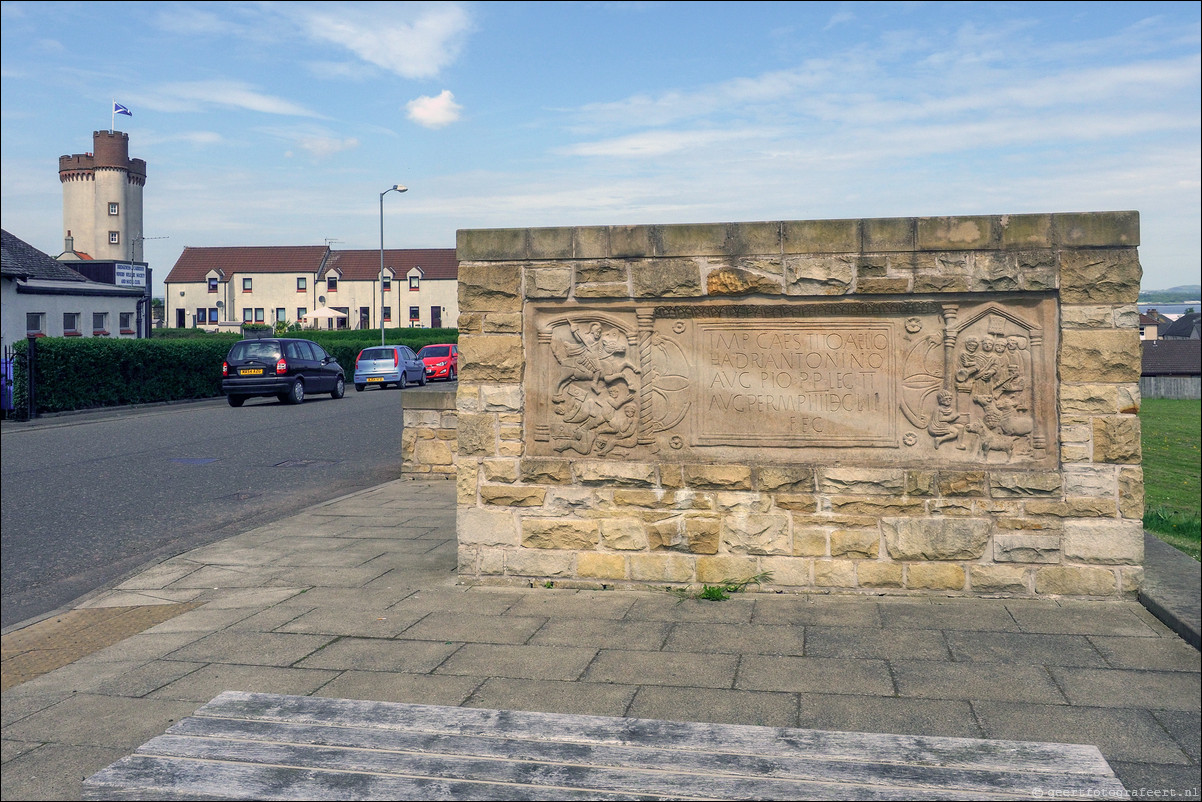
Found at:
<point>415,313</point>
<point>202,315</point>
<point>114,209</point>
<point>114,238</point>
<point>248,315</point>
<point>259,315</point>
<point>127,322</point>
<point>415,282</point>
<point>331,284</point>
<point>281,315</point>
<point>300,313</point>
<point>213,314</point>
<point>302,284</point>
<point>71,323</point>
<point>100,324</point>
<point>387,284</point>
<point>387,314</point>
<point>246,284</point>
<point>212,285</point>
<point>35,323</point>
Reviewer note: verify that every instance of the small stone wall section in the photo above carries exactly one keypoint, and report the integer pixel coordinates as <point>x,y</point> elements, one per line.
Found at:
<point>1074,530</point>
<point>428,439</point>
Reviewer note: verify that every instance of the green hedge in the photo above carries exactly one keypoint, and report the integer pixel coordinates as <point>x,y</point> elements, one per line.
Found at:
<point>89,372</point>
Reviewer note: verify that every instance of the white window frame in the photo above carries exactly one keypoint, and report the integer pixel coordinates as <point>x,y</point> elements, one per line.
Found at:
<point>114,209</point>
<point>114,238</point>
<point>71,326</point>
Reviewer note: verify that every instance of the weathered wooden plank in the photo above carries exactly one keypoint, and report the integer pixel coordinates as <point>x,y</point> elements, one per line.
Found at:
<point>267,746</point>
<point>730,738</point>
<point>712,765</point>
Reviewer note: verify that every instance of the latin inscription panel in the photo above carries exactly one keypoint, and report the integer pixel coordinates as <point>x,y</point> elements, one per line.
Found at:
<point>921,381</point>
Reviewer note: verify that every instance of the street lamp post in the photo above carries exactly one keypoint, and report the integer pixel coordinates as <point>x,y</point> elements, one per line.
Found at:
<point>394,188</point>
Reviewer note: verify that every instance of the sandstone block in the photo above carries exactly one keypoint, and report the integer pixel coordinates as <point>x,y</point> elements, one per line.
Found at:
<point>559,533</point>
<point>623,534</point>
<point>493,243</point>
<point>702,533</point>
<point>788,479</point>
<point>491,357</point>
<point>480,527</point>
<point>1117,439</point>
<point>615,474</point>
<point>501,323</point>
<point>466,480</point>
<point>1100,276</point>
<point>934,576</point>
<point>883,286</point>
<point>809,541</point>
<point>718,568</point>
<point>548,282</point>
<point>1090,480</point>
<point>921,483</point>
<point>1109,542</point>
<point>757,533</point>
<point>1026,548</point>
<point>600,566</point>
<point>874,574</point>
<point>538,563</point>
<point>477,435</point>
<point>1026,230</point>
<point>1004,484</point>
<point>719,477</point>
<point>961,483</point>
<point>669,534</point>
<point>856,543</point>
<point>499,470</point>
<point>1131,493</point>
<point>1075,580</point>
<point>1079,316</point>
<point>512,495</point>
<point>796,502</point>
<point>835,573</point>
<point>501,397</point>
<point>1131,578</point>
<point>433,452</point>
<point>862,481</point>
<point>544,470</point>
<point>671,278</point>
<point>602,272</point>
<point>737,281</point>
<point>826,274</point>
<point>1073,507</point>
<point>956,233</point>
<point>999,579</point>
<point>489,287</point>
<point>875,507</point>
<point>661,567</point>
<point>1099,355</point>
<point>936,538</point>
<point>602,290</point>
<point>821,236</point>
<point>788,571</point>
<point>889,234</point>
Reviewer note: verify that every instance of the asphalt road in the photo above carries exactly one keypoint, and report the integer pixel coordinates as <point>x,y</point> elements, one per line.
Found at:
<point>89,499</point>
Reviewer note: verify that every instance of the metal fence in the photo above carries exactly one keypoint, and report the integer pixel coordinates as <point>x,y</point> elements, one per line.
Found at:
<point>1175,387</point>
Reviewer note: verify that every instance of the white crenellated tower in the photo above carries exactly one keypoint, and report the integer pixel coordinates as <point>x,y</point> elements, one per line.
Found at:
<point>102,199</point>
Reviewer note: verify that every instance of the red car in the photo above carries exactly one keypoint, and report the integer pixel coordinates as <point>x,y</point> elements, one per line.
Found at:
<point>442,361</point>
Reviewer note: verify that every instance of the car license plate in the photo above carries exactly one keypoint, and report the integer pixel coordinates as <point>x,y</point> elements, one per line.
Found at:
<point>376,379</point>
<point>251,372</point>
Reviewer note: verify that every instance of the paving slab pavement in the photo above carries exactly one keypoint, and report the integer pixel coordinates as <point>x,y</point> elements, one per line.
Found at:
<point>357,598</point>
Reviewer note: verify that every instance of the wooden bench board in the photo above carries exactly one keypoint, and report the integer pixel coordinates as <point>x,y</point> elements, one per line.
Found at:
<point>270,746</point>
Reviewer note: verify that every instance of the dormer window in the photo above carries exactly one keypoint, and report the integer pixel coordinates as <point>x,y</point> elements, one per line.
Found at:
<point>212,285</point>
<point>331,284</point>
<point>387,284</point>
<point>415,282</point>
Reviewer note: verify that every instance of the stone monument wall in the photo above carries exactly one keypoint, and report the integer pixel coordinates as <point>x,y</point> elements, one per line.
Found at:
<point>912,405</point>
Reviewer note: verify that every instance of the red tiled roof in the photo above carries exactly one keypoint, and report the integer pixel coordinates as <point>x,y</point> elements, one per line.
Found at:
<point>1172,358</point>
<point>194,263</point>
<point>435,263</point>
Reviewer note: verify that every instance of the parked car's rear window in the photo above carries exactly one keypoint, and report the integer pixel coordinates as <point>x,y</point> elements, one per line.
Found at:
<point>255,349</point>
<point>435,350</point>
<point>377,353</point>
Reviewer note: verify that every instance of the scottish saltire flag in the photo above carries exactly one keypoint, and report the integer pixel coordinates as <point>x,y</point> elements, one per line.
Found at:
<point>119,109</point>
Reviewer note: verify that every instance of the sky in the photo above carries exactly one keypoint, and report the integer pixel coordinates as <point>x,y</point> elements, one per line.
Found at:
<point>269,123</point>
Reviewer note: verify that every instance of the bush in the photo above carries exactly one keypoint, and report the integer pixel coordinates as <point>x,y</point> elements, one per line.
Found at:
<point>85,373</point>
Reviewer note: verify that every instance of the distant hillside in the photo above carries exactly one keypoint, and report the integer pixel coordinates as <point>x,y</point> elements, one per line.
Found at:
<point>1182,294</point>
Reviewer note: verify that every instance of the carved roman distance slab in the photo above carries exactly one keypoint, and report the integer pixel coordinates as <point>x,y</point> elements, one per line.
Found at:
<point>928,380</point>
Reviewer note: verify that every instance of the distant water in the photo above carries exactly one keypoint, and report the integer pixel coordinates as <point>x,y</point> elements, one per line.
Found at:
<point>1171,309</point>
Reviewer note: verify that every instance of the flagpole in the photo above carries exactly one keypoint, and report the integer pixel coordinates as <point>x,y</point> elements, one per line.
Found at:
<point>113,118</point>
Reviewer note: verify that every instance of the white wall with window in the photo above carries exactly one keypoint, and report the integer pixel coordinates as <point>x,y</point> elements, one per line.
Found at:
<point>57,315</point>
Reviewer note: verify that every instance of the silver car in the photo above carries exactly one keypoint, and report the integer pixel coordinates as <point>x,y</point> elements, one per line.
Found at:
<point>382,365</point>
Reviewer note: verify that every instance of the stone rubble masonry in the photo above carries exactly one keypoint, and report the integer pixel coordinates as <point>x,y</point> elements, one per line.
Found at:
<point>628,520</point>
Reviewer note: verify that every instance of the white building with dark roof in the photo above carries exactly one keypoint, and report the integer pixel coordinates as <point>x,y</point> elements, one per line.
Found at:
<point>42,297</point>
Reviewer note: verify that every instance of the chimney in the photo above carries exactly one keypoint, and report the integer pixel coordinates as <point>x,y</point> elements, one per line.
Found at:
<point>69,242</point>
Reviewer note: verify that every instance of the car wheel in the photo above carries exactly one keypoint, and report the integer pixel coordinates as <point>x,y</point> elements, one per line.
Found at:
<point>236,400</point>
<point>401,385</point>
<point>296,395</point>
<point>422,382</point>
<point>360,388</point>
<point>339,388</point>
<point>451,375</point>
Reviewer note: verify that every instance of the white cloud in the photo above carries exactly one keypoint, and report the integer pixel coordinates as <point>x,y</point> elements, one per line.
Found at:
<point>418,48</point>
<point>321,147</point>
<point>199,95</point>
<point>434,112</point>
